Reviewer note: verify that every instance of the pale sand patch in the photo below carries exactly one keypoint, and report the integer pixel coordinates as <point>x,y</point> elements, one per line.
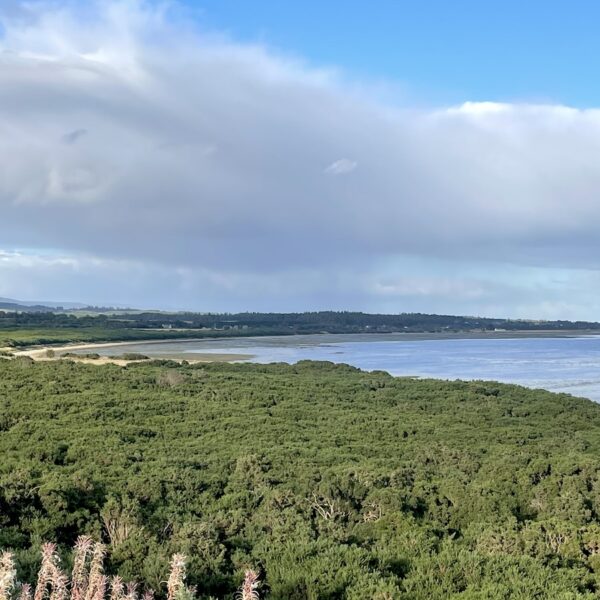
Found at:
<point>40,354</point>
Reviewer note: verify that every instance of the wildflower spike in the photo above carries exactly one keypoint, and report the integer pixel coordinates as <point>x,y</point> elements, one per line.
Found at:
<point>8,575</point>
<point>79,575</point>
<point>177,576</point>
<point>249,587</point>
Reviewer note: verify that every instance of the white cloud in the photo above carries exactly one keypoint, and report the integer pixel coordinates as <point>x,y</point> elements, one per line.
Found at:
<point>128,136</point>
<point>341,167</point>
<point>428,286</point>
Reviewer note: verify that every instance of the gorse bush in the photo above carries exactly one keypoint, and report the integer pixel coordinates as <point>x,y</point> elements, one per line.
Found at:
<point>131,356</point>
<point>332,483</point>
<point>89,582</point>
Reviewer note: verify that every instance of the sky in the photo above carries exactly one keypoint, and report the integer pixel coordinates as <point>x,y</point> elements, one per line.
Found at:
<point>226,156</point>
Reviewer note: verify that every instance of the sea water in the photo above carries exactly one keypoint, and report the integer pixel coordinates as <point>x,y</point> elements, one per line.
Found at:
<point>566,364</point>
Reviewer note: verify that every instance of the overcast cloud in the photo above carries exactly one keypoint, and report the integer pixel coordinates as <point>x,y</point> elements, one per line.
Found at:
<point>144,162</point>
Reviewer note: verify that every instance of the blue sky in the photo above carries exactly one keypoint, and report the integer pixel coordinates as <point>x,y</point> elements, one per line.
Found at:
<point>218,155</point>
<point>441,51</point>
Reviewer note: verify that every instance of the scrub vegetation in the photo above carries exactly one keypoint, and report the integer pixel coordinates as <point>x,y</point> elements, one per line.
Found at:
<point>328,482</point>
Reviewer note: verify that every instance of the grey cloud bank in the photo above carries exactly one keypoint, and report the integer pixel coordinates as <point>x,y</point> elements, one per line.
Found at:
<point>143,152</point>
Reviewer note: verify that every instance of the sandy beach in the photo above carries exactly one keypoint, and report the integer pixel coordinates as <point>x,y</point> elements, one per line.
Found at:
<point>41,353</point>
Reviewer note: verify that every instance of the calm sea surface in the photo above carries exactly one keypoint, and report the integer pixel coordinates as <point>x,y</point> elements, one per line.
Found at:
<point>559,364</point>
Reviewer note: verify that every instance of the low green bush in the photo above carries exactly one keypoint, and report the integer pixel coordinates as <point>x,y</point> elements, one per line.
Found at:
<point>331,482</point>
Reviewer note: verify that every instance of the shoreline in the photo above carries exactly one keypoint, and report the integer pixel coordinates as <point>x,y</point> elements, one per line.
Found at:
<point>39,352</point>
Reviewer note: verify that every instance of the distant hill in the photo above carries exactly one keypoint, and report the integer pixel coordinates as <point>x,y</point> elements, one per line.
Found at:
<point>37,305</point>
<point>12,305</point>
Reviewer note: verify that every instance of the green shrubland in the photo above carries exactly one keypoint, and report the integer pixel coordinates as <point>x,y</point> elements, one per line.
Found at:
<point>332,483</point>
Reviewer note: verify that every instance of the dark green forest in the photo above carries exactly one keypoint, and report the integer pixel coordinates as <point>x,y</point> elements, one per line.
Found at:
<point>331,482</point>
<point>27,327</point>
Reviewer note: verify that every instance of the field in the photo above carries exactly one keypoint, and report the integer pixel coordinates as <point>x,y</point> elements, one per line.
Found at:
<point>35,336</point>
<point>331,482</point>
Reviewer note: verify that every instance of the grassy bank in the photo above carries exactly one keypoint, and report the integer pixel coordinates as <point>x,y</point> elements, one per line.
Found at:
<point>24,336</point>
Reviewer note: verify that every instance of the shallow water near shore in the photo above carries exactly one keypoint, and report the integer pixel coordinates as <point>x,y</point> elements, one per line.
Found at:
<point>561,364</point>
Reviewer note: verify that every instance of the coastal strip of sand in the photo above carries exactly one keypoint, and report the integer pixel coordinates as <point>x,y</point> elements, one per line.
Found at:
<point>48,353</point>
